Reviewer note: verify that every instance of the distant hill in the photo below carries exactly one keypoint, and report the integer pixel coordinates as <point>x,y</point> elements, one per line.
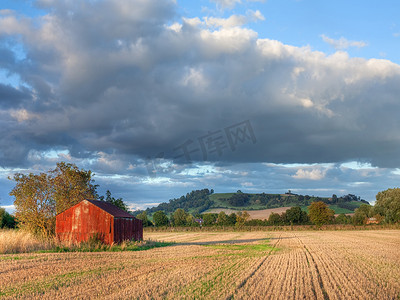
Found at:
<point>200,201</point>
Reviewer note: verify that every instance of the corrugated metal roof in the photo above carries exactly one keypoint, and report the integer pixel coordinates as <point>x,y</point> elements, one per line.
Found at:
<point>111,209</point>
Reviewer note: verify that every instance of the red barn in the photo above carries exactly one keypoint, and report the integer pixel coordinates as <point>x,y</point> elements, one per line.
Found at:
<point>92,217</point>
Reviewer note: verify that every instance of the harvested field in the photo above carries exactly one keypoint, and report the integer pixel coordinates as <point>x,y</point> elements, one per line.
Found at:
<point>218,265</point>
<point>261,214</point>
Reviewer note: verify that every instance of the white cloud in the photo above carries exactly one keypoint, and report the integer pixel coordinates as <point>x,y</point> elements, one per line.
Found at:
<point>310,174</point>
<point>343,43</point>
<point>9,208</point>
<point>234,20</point>
<point>229,4</point>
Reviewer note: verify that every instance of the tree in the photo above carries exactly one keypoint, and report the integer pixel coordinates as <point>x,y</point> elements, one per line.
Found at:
<point>361,214</point>
<point>160,218</point>
<point>38,198</point>
<point>71,185</point>
<point>145,220</point>
<point>295,215</point>
<point>179,217</point>
<point>34,203</point>
<point>343,219</point>
<point>389,203</point>
<point>320,213</point>
<point>241,218</point>
<point>232,219</point>
<point>222,219</point>
<point>6,220</point>
<point>190,221</point>
<point>274,219</point>
<point>117,202</point>
<point>209,219</point>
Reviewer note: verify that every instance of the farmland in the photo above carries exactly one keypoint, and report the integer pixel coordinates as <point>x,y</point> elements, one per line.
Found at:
<point>261,214</point>
<point>218,265</point>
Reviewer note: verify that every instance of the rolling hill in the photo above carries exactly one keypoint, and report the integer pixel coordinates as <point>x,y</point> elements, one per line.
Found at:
<point>205,200</point>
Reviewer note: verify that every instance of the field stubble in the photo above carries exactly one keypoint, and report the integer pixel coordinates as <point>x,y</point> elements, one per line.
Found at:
<point>218,265</point>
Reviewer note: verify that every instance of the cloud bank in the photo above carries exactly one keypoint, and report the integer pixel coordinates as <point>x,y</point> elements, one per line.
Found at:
<point>120,81</point>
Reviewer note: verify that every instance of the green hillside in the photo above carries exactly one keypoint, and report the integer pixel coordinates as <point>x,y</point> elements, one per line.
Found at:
<point>198,201</point>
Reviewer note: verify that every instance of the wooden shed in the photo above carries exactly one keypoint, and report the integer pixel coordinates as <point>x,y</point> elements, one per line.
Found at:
<point>97,218</point>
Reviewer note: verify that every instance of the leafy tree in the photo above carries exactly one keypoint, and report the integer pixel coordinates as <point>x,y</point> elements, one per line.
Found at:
<point>38,198</point>
<point>179,217</point>
<point>241,218</point>
<point>362,213</point>
<point>190,220</point>
<point>274,219</point>
<point>117,202</point>
<point>343,219</point>
<point>34,203</point>
<point>295,215</point>
<point>145,220</point>
<point>320,213</point>
<point>209,219</point>
<point>6,220</point>
<point>160,218</point>
<point>71,185</point>
<point>232,219</point>
<point>222,219</point>
<point>389,203</point>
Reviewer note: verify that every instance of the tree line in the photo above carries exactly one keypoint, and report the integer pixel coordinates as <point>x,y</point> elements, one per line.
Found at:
<point>386,210</point>
<point>319,214</point>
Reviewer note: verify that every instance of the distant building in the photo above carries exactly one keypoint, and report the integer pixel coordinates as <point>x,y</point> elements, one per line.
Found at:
<point>372,221</point>
<point>199,221</point>
<point>97,218</point>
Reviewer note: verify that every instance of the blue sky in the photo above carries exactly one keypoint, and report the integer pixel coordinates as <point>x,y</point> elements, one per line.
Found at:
<point>120,87</point>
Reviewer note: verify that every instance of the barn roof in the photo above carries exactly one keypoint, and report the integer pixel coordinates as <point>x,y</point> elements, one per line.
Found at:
<point>111,209</point>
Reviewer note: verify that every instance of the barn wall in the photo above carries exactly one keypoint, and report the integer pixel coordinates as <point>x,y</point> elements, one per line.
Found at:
<point>127,229</point>
<point>82,221</point>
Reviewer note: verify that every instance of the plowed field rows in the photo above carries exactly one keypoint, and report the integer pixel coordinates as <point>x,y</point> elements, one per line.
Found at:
<point>218,265</point>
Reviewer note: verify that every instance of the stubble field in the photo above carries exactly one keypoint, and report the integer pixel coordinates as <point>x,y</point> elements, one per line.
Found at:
<point>218,265</point>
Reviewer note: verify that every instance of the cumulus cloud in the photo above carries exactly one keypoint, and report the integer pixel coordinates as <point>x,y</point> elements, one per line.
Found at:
<point>120,81</point>
<point>235,20</point>
<point>343,43</point>
<point>312,174</point>
<point>229,4</point>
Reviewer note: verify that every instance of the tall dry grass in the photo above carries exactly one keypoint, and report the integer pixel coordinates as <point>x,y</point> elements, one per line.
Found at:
<point>20,241</point>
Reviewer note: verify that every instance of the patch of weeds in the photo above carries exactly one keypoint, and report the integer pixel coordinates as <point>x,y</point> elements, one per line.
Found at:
<point>246,249</point>
<point>100,247</point>
<point>16,257</point>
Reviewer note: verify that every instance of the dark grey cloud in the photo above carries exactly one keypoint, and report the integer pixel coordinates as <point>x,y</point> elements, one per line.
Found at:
<point>11,97</point>
<point>131,78</point>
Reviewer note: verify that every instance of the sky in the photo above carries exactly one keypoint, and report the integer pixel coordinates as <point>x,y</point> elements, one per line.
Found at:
<point>161,97</point>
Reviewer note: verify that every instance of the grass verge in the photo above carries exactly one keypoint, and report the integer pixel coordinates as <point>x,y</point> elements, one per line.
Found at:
<point>99,247</point>
<point>19,241</point>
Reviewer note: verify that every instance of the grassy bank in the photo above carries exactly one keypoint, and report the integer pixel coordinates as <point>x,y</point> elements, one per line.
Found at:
<point>19,241</point>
